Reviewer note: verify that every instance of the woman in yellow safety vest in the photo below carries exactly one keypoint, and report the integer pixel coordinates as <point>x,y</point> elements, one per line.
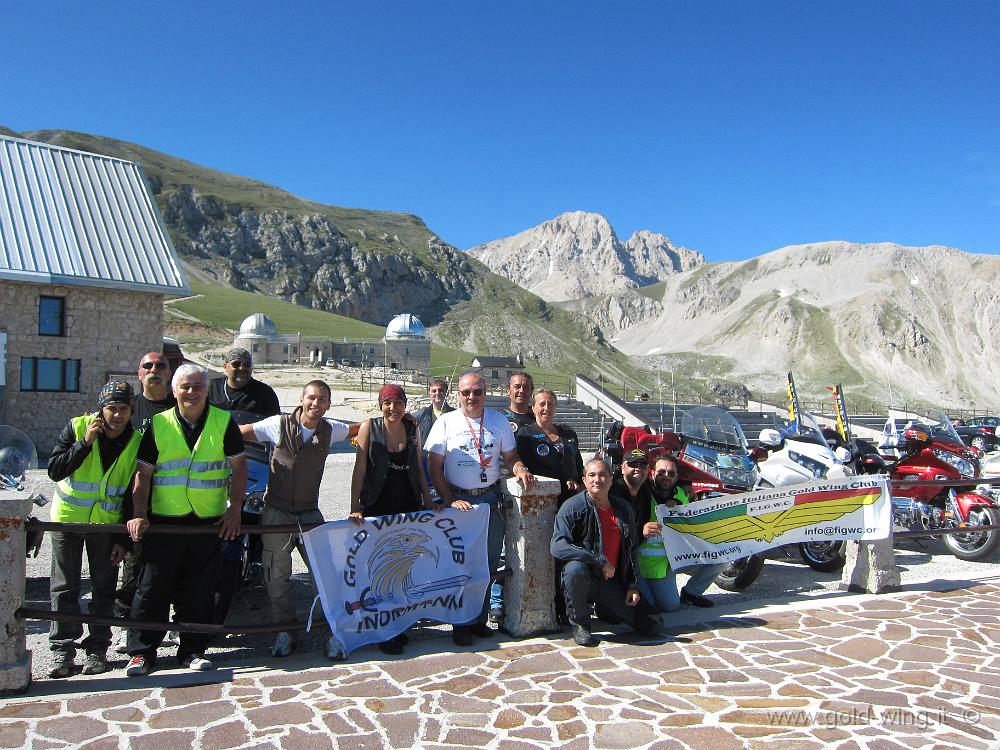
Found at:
<point>93,463</point>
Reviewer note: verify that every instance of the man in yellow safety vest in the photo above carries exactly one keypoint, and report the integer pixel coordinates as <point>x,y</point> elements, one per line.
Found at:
<point>190,461</point>
<point>93,462</point>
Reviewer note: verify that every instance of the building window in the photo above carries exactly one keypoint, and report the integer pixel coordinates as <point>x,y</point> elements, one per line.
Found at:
<point>496,374</point>
<point>371,350</point>
<point>51,316</point>
<point>50,374</point>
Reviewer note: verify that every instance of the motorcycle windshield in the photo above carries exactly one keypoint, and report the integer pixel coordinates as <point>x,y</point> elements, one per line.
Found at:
<point>939,427</point>
<point>713,425</point>
<point>805,429</point>
<point>715,443</point>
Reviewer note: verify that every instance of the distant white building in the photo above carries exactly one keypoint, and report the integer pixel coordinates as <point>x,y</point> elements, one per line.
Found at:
<point>259,336</point>
<point>405,345</point>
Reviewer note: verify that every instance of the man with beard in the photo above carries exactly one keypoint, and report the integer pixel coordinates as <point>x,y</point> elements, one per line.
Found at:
<point>659,581</point>
<point>596,541</point>
<point>154,377</point>
<point>239,390</point>
<point>633,483</point>
<point>93,461</point>
<point>301,443</point>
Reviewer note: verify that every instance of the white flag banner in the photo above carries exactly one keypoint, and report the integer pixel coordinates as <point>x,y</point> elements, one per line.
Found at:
<point>725,528</point>
<point>378,579</point>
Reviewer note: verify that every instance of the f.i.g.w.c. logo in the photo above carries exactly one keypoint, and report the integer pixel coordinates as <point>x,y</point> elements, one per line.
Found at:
<point>402,569</point>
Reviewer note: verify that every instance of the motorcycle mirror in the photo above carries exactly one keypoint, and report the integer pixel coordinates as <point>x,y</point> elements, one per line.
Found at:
<point>770,438</point>
<point>843,455</point>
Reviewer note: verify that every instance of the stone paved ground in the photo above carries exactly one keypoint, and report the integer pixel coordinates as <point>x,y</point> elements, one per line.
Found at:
<point>917,669</point>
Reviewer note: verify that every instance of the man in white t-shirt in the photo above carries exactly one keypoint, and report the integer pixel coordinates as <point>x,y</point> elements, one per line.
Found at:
<point>464,452</point>
<point>301,443</point>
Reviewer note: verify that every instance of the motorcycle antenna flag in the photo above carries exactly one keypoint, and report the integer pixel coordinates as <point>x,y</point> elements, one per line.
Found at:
<point>793,405</point>
<point>843,424</point>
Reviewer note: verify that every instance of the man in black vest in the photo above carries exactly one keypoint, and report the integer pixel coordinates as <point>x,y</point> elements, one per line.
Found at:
<point>302,442</point>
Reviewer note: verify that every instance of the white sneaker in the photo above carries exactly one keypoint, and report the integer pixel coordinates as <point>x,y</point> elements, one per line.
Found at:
<point>197,663</point>
<point>172,638</point>
<point>120,645</point>
<point>334,651</point>
<point>283,644</point>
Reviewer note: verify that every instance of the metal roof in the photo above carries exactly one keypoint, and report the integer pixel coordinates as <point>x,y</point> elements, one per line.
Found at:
<point>70,217</point>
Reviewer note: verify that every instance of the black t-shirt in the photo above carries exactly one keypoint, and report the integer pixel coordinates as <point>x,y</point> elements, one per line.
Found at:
<point>143,409</point>
<point>255,397</point>
<point>232,443</point>
<point>517,421</point>
<point>560,459</point>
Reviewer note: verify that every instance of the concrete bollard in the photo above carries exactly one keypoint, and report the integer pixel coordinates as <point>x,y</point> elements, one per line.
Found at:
<point>870,568</point>
<point>15,659</point>
<point>529,591</point>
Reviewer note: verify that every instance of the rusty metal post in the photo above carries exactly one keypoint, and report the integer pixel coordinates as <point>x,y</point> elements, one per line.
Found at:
<point>15,659</point>
<point>529,591</point>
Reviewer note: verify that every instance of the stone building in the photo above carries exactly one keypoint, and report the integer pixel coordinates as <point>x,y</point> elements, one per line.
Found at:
<point>496,371</point>
<point>85,262</point>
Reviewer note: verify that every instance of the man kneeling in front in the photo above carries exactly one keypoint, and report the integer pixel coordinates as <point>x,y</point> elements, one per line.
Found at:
<point>595,541</point>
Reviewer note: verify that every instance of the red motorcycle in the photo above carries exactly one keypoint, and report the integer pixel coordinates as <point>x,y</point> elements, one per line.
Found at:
<point>930,449</point>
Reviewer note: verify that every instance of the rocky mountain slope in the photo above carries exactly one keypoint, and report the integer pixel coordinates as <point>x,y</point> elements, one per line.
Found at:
<point>577,254</point>
<point>891,322</point>
<point>369,265</point>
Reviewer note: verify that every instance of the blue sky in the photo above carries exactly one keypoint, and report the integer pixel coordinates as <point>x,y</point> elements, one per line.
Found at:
<point>732,127</point>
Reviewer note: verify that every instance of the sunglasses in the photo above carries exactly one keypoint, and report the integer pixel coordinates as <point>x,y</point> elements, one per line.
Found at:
<point>666,472</point>
<point>151,365</point>
<point>239,364</point>
<point>472,392</point>
<point>637,463</point>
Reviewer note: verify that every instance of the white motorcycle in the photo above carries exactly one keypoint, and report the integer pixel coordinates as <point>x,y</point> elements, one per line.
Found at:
<point>798,454</point>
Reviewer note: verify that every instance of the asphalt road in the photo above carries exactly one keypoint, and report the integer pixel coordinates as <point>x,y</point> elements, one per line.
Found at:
<point>785,579</point>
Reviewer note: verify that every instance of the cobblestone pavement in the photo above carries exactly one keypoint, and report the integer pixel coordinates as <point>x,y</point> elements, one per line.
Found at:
<point>916,669</point>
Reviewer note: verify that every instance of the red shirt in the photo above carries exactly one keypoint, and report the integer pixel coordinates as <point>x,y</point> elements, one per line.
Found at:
<point>611,535</point>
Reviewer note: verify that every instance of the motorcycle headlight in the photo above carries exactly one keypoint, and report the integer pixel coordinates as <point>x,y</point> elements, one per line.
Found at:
<point>254,503</point>
<point>700,464</point>
<point>817,468</point>
<point>963,467</point>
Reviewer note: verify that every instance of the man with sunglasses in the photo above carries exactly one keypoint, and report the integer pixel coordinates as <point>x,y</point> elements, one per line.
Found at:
<point>464,452</point>
<point>659,581</point>
<point>154,376</point>
<point>239,390</point>
<point>633,482</point>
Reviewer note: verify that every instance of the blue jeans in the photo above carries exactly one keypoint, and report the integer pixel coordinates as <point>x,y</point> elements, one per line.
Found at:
<point>662,593</point>
<point>494,536</point>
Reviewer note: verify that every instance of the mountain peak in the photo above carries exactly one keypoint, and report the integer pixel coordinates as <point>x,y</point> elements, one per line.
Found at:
<point>577,254</point>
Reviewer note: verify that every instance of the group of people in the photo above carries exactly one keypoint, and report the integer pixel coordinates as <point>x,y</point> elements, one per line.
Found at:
<point>172,454</point>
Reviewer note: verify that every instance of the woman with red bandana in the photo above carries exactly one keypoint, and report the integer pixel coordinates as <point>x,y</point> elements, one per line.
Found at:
<point>388,473</point>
